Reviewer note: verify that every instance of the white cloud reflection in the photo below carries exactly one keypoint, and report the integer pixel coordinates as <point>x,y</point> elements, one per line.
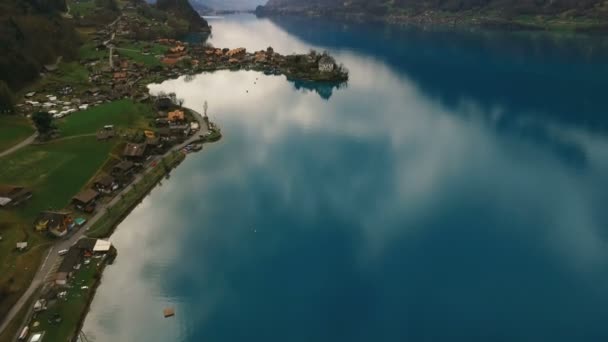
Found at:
<point>439,155</point>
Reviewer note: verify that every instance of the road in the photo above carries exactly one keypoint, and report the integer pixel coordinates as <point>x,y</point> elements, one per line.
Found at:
<point>51,261</point>
<point>20,145</point>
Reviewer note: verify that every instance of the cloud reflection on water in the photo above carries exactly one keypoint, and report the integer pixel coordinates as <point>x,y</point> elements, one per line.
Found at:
<point>383,159</point>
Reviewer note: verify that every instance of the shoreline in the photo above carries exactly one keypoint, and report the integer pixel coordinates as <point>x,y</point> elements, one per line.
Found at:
<point>150,180</point>
<point>180,157</point>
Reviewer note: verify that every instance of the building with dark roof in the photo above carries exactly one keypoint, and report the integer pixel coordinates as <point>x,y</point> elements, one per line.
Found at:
<point>85,200</point>
<point>134,152</point>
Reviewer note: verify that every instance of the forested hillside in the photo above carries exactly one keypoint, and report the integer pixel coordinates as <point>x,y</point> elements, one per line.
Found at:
<point>530,12</point>
<point>32,33</point>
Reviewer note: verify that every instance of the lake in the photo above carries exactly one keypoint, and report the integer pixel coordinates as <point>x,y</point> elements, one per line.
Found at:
<point>454,190</point>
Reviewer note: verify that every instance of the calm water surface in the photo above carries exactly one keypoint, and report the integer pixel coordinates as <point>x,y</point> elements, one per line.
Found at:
<point>455,190</point>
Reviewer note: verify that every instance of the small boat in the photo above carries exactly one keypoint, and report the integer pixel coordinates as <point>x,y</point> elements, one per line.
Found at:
<point>168,312</point>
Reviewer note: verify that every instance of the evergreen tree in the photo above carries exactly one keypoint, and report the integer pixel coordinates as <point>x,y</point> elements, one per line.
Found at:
<point>43,122</point>
<point>7,100</point>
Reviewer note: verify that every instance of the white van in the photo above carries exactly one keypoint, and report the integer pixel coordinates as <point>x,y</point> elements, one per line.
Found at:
<point>62,252</point>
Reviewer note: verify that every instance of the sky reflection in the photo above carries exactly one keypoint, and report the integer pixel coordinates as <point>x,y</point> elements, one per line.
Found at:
<point>381,214</point>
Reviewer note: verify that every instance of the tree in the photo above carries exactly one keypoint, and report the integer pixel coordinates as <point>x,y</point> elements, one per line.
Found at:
<point>43,122</point>
<point>173,98</point>
<point>7,100</point>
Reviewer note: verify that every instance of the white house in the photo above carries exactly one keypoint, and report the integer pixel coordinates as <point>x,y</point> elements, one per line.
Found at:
<point>326,64</point>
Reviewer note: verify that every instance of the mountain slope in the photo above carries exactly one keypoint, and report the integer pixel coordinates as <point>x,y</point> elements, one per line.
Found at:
<point>588,12</point>
<point>183,10</point>
<point>239,5</point>
<point>32,33</point>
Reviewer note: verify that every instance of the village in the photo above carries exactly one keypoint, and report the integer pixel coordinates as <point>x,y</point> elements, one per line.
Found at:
<point>127,139</point>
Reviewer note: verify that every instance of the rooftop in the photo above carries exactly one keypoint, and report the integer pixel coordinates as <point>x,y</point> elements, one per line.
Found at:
<point>134,150</point>
<point>86,196</point>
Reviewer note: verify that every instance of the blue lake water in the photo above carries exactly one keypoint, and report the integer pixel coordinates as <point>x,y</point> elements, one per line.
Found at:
<point>455,190</point>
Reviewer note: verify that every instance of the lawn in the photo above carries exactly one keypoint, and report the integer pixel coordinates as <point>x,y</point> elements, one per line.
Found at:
<point>122,114</point>
<point>137,56</point>
<point>55,171</point>
<point>82,8</point>
<point>88,51</point>
<point>133,51</point>
<point>13,129</point>
<point>71,73</point>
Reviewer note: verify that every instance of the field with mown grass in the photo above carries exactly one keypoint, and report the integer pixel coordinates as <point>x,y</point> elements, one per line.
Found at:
<point>134,51</point>
<point>122,114</point>
<point>13,129</point>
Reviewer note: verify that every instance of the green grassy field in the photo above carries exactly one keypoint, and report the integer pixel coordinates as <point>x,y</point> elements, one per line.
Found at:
<point>88,52</point>
<point>55,171</point>
<point>121,114</point>
<point>82,8</point>
<point>133,51</point>
<point>148,60</point>
<point>13,129</point>
<point>72,74</point>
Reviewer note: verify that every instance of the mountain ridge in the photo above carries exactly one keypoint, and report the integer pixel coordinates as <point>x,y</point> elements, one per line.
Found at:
<point>532,14</point>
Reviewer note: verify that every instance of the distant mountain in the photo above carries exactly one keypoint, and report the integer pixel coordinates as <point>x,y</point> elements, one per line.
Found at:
<point>239,5</point>
<point>526,13</point>
<point>183,9</point>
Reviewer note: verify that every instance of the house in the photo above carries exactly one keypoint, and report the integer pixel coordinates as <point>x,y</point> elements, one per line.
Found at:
<point>134,152</point>
<point>70,261</point>
<point>163,132</point>
<point>123,170</point>
<point>86,246</point>
<point>326,64</point>
<point>54,222</point>
<point>154,144</point>
<point>237,53</point>
<point>195,126</point>
<point>161,122</point>
<point>170,61</point>
<point>13,195</point>
<point>120,76</point>
<point>85,200</point>
<point>89,247</point>
<point>180,130</point>
<point>105,184</point>
<point>176,116</point>
<point>21,246</point>
<point>105,134</point>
